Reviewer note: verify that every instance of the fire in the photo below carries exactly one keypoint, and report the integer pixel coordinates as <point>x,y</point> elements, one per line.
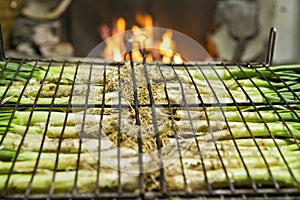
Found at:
<point>144,20</point>
<point>177,58</point>
<point>140,39</point>
<point>112,50</point>
<point>167,46</point>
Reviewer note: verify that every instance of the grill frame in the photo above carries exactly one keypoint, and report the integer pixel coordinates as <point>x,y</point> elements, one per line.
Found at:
<point>232,191</point>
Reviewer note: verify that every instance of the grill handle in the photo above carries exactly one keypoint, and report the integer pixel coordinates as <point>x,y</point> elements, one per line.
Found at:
<point>271,47</point>
<point>2,53</point>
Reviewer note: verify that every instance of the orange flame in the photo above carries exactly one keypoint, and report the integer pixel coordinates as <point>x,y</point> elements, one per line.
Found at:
<point>112,49</point>
<point>143,38</point>
<point>144,20</point>
<point>167,46</point>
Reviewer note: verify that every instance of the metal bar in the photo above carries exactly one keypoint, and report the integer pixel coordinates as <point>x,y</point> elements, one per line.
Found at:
<point>2,52</point>
<point>220,194</point>
<point>158,141</point>
<point>137,118</point>
<point>174,128</point>
<point>100,132</point>
<point>52,187</point>
<point>115,64</point>
<point>271,47</point>
<point>120,191</point>
<point>74,189</point>
<point>27,192</point>
<point>147,105</point>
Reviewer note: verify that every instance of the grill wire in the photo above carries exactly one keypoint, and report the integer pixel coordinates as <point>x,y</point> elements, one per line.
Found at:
<point>252,190</point>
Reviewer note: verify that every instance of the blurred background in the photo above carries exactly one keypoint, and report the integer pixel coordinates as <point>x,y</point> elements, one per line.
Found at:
<point>230,30</point>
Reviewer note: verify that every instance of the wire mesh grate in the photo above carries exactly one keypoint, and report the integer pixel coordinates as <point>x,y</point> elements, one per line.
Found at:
<point>151,130</point>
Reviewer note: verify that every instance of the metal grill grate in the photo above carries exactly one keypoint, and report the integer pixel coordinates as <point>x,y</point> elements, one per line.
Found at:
<point>160,182</point>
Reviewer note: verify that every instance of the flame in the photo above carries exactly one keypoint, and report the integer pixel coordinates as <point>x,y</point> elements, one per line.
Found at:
<point>144,20</point>
<point>113,48</point>
<point>142,38</point>
<point>177,58</point>
<point>120,26</point>
<point>167,46</point>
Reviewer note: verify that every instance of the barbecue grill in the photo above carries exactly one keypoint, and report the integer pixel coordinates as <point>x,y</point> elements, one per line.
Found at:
<point>155,184</point>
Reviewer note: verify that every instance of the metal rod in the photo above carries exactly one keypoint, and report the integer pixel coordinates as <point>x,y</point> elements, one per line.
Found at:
<point>156,129</point>
<point>2,53</point>
<point>75,189</point>
<point>120,190</point>
<point>271,46</point>
<point>138,123</point>
<point>100,133</point>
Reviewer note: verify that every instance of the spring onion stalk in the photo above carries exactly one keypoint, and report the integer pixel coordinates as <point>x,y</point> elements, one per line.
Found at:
<point>238,176</point>
<point>248,142</point>
<point>8,154</point>
<point>175,97</point>
<point>289,72</point>
<point>26,160</point>
<point>239,129</point>
<point>57,124</point>
<point>48,90</point>
<point>64,181</point>
<point>266,115</point>
<point>209,150</point>
<point>93,98</point>
<point>235,162</point>
<point>63,131</point>
<point>22,72</point>
<point>32,142</point>
<point>52,131</point>
<point>56,118</point>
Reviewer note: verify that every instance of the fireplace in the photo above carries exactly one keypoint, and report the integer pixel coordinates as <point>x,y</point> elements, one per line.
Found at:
<point>193,18</point>
<point>76,33</point>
